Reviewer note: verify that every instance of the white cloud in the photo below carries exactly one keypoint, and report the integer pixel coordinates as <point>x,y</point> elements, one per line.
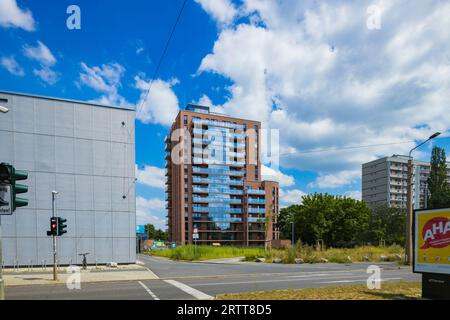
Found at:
<point>341,178</point>
<point>10,64</point>
<point>290,197</point>
<point>151,176</point>
<point>150,211</point>
<point>161,104</point>
<point>105,79</point>
<point>223,11</point>
<point>357,195</point>
<point>41,53</point>
<point>276,175</point>
<point>47,75</point>
<point>317,73</point>
<point>11,15</point>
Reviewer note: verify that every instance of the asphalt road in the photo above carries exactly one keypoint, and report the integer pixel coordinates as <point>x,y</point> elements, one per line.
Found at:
<point>187,280</point>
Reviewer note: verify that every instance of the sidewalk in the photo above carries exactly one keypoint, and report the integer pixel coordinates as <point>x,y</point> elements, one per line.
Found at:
<point>38,276</point>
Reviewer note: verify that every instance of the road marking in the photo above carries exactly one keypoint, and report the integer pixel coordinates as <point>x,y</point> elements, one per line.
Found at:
<point>319,275</point>
<point>349,281</point>
<point>189,290</point>
<point>148,290</point>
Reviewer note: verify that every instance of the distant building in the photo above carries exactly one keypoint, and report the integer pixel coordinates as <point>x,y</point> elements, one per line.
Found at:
<point>215,187</point>
<point>384,181</point>
<point>85,151</point>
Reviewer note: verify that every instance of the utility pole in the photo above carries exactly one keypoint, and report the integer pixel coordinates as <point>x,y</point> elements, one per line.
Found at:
<point>293,234</point>
<point>409,202</point>
<point>55,274</point>
<point>409,210</point>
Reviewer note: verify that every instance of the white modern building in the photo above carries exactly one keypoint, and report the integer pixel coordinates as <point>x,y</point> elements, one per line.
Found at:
<point>86,152</point>
<point>384,181</point>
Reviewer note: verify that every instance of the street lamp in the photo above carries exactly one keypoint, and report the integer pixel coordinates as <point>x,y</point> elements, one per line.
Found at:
<point>55,274</point>
<point>3,109</point>
<point>409,200</point>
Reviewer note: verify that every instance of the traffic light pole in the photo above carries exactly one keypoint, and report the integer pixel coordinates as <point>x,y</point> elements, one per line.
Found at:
<point>55,274</point>
<point>2,284</point>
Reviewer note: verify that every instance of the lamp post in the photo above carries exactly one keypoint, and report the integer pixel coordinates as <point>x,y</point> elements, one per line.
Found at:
<point>55,274</point>
<point>409,201</point>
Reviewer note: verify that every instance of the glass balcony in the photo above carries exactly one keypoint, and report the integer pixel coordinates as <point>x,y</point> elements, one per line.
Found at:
<point>218,123</point>
<point>197,208</point>
<point>255,191</point>
<point>216,199</point>
<point>256,210</point>
<point>197,141</point>
<point>256,201</point>
<point>197,160</point>
<point>251,219</point>
<point>217,190</point>
<point>197,179</point>
<point>218,171</point>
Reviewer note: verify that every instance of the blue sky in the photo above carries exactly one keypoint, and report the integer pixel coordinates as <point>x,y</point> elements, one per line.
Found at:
<point>328,76</point>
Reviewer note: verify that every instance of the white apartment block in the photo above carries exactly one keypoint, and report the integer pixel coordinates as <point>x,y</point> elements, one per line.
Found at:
<point>384,181</point>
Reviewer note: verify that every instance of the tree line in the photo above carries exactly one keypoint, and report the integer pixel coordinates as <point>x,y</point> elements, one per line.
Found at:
<point>155,234</point>
<point>345,222</point>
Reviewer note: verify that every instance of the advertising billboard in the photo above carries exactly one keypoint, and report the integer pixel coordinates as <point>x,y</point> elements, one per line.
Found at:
<point>432,241</point>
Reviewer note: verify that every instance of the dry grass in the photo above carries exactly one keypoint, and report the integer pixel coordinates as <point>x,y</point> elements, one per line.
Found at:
<point>357,254</point>
<point>388,291</point>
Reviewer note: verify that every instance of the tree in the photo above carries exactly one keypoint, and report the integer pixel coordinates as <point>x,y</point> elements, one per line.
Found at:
<point>338,221</point>
<point>386,223</point>
<point>437,182</point>
<point>155,234</point>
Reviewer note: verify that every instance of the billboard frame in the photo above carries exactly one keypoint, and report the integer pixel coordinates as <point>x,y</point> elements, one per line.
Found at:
<point>415,235</point>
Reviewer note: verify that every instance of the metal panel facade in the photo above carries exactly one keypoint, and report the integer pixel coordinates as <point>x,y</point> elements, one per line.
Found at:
<point>86,153</point>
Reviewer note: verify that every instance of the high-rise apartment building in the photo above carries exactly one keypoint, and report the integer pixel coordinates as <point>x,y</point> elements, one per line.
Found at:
<point>214,184</point>
<point>384,181</point>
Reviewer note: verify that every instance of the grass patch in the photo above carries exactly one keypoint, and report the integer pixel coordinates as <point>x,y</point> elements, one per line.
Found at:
<point>358,254</point>
<point>191,253</point>
<point>388,291</point>
<point>306,253</point>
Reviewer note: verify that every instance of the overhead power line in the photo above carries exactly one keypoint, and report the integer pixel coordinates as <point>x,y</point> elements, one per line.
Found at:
<point>180,13</point>
<point>345,148</point>
<point>352,147</point>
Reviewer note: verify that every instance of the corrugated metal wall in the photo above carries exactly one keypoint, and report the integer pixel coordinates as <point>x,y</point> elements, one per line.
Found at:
<point>86,154</point>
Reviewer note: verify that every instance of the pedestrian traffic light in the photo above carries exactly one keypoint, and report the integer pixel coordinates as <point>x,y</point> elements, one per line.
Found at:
<point>62,226</point>
<point>53,227</point>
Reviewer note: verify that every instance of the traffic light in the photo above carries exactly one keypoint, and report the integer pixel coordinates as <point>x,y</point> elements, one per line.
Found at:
<point>62,226</point>
<point>53,227</point>
<point>9,175</point>
<point>19,188</point>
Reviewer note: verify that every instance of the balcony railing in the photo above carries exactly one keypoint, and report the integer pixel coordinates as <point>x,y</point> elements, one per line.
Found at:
<point>214,199</point>
<point>256,201</point>
<point>218,123</point>
<point>256,210</point>
<point>196,179</point>
<point>217,190</point>
<point>255,191</point>
<point>218,171</point>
